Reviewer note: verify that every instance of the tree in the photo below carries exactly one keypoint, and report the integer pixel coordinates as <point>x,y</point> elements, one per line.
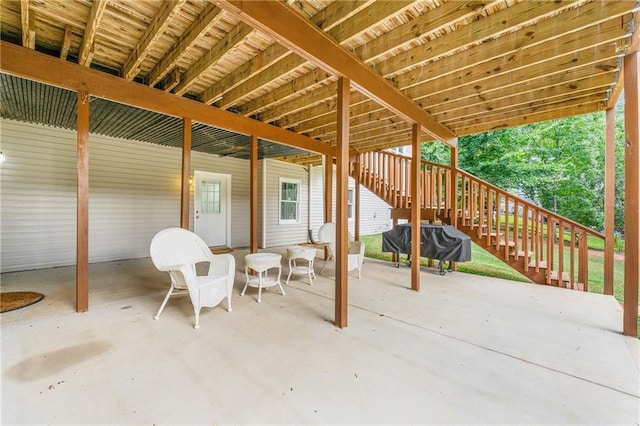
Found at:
<point>558,164</point>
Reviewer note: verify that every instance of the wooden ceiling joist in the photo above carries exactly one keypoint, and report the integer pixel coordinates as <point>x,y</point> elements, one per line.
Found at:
<point>155,29</point>
<point>457,66</point>
<point>342,30</point>
<point>86,47</point>
<point>280,22</point>
<point>196,30</point>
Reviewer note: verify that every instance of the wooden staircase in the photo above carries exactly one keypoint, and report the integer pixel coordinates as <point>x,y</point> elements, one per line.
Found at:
<point>543,246</point>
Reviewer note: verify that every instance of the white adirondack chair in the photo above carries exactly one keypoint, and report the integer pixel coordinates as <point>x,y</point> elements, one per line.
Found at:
<point>327,234</point>
<point>176,251</point>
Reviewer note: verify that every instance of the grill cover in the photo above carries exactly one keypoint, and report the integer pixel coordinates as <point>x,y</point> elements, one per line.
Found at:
<point>440,242</point>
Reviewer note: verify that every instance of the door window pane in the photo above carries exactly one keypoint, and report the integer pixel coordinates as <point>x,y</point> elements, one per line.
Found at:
<point>210,197</point>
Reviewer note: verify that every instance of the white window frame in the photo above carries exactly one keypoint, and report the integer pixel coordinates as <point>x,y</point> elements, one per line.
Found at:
<point>298,184</point>
<point>351,202</point>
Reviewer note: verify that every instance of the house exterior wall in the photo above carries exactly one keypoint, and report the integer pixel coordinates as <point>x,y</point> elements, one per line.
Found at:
<point>375,214</point>
<point>278,233</point>
<point>134,192</point>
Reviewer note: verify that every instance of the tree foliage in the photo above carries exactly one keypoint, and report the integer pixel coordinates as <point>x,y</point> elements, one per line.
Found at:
<point>558,164</point>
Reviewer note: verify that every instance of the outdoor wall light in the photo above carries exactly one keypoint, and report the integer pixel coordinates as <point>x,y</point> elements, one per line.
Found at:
<point>3,157</point>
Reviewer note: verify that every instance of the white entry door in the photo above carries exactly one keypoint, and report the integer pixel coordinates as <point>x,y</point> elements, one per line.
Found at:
<point>212,207</point>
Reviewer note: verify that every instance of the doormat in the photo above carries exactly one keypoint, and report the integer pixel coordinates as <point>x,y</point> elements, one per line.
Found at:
<point>13,300</point>
<point>220,250</point>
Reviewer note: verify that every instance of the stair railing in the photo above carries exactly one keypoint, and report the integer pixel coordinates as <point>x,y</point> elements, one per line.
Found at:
<point>537,242</point>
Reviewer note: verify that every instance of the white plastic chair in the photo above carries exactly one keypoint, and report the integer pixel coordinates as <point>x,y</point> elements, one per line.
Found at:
<point>327,234</point>
<point>177,251</point>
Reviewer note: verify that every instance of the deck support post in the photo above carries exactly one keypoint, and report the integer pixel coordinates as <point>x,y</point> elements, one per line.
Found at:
<point>82,227</point>
<point>356,201</point>
<point>453,203</point>
<point>609,198</point>
<point>253,194</point>
<point>342,192</point>
<point>632,193</point>
<point>186,172</point>
<point>415,207</point>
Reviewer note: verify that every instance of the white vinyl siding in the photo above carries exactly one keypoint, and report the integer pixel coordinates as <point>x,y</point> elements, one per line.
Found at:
<point>284,233</point>
<point>375,214</point>
<point>134,191</point>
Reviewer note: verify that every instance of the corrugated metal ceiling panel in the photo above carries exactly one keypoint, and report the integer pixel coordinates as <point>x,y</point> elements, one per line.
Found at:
<point>33,102</point>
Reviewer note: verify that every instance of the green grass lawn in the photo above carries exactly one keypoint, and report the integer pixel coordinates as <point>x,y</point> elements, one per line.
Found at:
<point>483,263</point>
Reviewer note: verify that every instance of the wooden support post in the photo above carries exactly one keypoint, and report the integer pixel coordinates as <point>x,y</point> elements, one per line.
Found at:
<point>342,192</point>
<point>356,206</point>
<point>186,173</point>
<point>328,189</point>
<point>632,193</point>
<point>609,198</point>
<point>253,194</point>
<point>82,227</point>
<point>415,207</point>
<point>453,195</point>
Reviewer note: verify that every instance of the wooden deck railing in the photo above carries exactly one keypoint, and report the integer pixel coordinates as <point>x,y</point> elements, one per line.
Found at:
<point>539,243</point>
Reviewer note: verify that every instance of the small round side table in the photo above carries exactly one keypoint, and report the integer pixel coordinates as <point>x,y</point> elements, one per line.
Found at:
<point>261,263</point>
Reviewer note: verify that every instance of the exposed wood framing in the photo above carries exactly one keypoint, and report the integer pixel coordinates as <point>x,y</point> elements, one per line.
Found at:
<point>632,193</point>
<point>28,25</point>
<point>155,29</point>
<point>300,35</point>
<point>198,29</point>
<point>342,28</point>
<point>66,42</point>
<point>82,227</point>
<point>212,56</point>
<point>86,47</point>
<point>415,207</point>
<point>609,198</point>
<point>186,173</point>
<point>49,70</point>
<point>342,192</point>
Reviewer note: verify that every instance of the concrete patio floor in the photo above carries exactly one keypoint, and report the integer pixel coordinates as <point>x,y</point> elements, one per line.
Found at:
<point>464,350</point>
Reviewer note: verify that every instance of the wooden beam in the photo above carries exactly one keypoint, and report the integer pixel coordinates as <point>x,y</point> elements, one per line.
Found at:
<point>211,57</point>
<point>37,66</point>
<point>342,192</point>
<point>27,18</point>
<point>356,208</point>
<point>82,224</point>
<point>168,10</point>
<point>415,207</point>
<point>253,190</point>
<point>491,62</point>
<point>328,189</point>
<point>609,198</point>
<point>300,35</point>
<point>196,30</point>
<point>327,18</point>
<point>494,25</point>
<point>632,193</point>
<point>185,193</point>
<point>95,16</point>
<point>634,44</point>
<point>453,196</point>
<point>66,42</point>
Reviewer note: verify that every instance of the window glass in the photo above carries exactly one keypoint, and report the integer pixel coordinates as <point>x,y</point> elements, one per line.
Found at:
<point>289,194</point>
<point>210,197</point>
<point>350,205</point>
